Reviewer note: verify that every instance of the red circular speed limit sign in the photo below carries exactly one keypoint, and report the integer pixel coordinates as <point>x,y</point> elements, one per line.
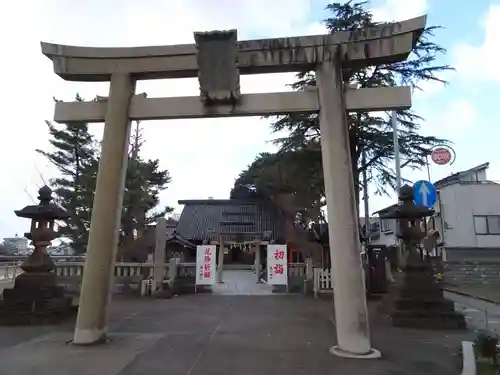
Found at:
<point>441,155</point>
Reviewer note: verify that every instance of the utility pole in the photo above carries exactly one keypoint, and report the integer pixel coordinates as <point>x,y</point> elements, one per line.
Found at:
<point>397,159</point>
<point>365,196</point>
<point>397,168</point>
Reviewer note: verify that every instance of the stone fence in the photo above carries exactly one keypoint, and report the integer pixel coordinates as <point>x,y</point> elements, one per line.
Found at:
<point>8,271</point>
<point>472,273</point>
<point>132,276</point>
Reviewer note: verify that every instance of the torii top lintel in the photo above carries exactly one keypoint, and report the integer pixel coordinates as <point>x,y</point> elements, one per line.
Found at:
<point>386,43</point>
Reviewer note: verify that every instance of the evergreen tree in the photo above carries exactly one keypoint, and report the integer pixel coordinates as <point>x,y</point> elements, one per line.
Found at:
<point>74,155</point>
<point>289,173</point>
<point>368,131</point>
<point>144,182</point>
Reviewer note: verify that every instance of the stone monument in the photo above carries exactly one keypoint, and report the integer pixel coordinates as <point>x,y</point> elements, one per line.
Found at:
<point>36,298</point>
<point>418,302</point>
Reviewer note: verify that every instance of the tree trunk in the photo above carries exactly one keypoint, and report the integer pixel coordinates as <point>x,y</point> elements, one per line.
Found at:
<point>295,234</point>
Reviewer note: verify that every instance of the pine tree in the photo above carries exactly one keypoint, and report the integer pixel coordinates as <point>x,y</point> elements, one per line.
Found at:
<point>74,154</point>
<point>368,131</point>
<point>144,182</point>
<point>289,172</point>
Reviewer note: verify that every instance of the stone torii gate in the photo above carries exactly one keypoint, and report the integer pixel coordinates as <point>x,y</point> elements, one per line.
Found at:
<point>217,59</point>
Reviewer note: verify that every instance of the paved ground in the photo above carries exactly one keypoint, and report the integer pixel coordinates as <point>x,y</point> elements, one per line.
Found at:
<point>223,335</point>
<point>241,282</point>
<point>479,314</point>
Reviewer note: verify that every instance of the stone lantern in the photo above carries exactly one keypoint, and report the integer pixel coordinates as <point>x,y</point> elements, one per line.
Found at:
<point>409,216</point>
<point>36,297</point>
<point>419,301</point>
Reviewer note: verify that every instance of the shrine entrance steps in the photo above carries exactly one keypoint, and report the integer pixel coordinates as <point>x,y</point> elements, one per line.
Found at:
<point>241,282</point>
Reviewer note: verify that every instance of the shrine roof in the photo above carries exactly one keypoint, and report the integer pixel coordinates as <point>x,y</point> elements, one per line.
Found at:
<point>177,238</point>
<point>236,220</point>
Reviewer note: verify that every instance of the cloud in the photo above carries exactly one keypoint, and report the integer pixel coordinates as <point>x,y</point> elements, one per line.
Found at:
<point>203,156</point>
<point>479,62</point>
<point>398,10</point>
<point>451,120</point>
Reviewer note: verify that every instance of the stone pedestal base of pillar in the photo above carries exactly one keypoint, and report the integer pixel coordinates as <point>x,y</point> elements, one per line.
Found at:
<point>419,303</point>
<point>372,354</point>
<point>87,341</point>
<point>308,287</point>
<point>165,291</point>
<point>35,300</point>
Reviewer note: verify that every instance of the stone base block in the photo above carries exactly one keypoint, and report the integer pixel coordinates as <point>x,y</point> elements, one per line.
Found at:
<point>456,323</point>
<point>40,312</point>
<point>428,320</point>
<point>34,300</point>
<point>424,304</point>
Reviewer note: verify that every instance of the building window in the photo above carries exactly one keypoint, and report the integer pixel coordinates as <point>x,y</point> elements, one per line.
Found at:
<point>386,225</point>
<point>487,224</point>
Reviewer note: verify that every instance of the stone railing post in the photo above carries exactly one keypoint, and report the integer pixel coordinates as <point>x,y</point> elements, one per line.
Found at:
<point>159,255</point>
<point>173,263</point>
<point>257,261</point>
<point>220,262</point>
<point>308,276</point>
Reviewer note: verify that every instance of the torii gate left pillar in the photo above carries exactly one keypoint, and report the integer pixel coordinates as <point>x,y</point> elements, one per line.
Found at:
<point>328,54</point>
<point>106,214</point>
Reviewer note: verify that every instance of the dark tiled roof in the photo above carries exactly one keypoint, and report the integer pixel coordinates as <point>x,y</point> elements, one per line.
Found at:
<point>177,238</point>
<point>236,220</point>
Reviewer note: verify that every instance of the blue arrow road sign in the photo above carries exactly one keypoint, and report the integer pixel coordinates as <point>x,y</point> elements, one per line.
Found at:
<point>424,193</point>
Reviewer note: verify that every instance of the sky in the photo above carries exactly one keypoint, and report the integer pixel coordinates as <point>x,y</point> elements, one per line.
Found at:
<point>205,156</point>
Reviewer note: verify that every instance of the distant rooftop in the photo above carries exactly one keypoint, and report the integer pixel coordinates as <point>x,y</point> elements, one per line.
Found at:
<point>475,175</point>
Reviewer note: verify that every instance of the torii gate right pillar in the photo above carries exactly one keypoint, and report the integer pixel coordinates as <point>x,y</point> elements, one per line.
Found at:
<point>351,317</point>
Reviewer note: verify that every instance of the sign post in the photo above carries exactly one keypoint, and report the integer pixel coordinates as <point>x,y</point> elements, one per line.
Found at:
<point>277,267</point>
<point>205,264</point>
<point>424,193</point>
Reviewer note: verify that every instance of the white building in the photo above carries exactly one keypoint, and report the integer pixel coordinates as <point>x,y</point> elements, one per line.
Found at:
<point>468,213</point>
<point>16,244</point>
<point>381,232</point>
<point>467,216</point>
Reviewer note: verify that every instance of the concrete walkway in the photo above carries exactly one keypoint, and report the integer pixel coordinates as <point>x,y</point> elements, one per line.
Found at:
<point>489,293</point>
<point>478,313</point>
<point>223,335</point>
<point>241,282</point>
